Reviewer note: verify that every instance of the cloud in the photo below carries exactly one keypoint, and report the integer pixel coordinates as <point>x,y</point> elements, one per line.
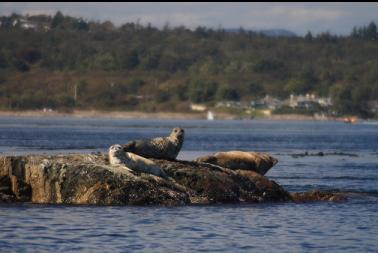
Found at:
<point>178,18</point>
<point>306,15</point>
<point>37,12</point>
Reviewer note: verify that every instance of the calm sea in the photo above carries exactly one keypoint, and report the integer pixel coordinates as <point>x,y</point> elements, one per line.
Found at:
<point>351,166</point>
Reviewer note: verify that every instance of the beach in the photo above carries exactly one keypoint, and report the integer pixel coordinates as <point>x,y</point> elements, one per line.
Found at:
<point>148,115</point>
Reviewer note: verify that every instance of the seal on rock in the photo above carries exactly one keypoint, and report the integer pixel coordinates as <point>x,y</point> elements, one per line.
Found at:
<point>239,160</point>
<point>160,147</point>
<point>117,156</point>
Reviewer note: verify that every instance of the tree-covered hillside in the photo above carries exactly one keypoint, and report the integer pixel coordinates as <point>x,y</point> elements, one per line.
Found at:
<point>65,62</point>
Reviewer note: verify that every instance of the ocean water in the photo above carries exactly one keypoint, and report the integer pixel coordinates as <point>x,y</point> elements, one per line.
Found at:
<point>350,164</point>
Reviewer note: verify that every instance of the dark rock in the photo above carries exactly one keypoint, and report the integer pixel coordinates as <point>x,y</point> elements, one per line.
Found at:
<point>213,184</point>
<point>89,179</point>
<point>6,193</point>
<point>317,195</point>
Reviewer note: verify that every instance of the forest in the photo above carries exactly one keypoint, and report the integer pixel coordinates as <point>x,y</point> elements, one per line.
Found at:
<point>64,63</point>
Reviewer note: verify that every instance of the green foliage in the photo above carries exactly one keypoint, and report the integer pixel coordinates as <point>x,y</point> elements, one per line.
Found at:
<point>30,55</point>
<point>3,62</point>
<point>57,20</point>
<point>105,62</point>
<point>266,65</point>
<point>349,99</point>
<point>255,89</point>
<point>304,83</point>
<point>21,66</point>
<point>163,96</point>
<point>64,101</point>
<point>366,32</point>
<point>81,25</point>
<point>305,111</point>
<point>82,85</point>
<point>209,67</point>
<point>135,85</point>
<point>202,90</point>
<point>308,36</point>
<point>151,60</point>
<point>129,59</point>
<point>226,92</point>
<point>172,62</point>
<point>142,67</point>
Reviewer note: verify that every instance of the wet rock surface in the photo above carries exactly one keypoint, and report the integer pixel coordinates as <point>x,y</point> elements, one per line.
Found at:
<point>89,179</point>
<point>317,195</point>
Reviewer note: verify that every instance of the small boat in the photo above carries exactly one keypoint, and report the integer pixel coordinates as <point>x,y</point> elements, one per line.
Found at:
<point>210,115</point>
<point>350,120</point>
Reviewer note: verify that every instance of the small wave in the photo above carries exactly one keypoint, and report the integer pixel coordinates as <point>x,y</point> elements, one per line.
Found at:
<point>369,122</point>
<point>320,154</point>
<point>350,192</point>
<point>329,178</point>
<point>372,193</point>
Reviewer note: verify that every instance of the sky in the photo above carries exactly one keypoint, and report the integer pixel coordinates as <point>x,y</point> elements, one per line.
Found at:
<point>337,18</point>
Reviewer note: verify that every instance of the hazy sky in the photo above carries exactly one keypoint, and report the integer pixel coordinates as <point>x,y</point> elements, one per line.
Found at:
<point>298,17</point>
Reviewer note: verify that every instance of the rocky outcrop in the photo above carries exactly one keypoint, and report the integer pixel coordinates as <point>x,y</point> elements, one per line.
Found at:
<point>207,183</point>
<point>89,179</point>
<point>317,195</point>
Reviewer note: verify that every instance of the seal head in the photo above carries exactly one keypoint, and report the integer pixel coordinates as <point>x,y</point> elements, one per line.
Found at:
<point>177,137</point>
<point>116,154</point>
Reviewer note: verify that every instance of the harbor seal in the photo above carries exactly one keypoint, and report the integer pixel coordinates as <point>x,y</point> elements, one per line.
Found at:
<point>239,160</point>
<point>134,162</point>
<point>159,148</point>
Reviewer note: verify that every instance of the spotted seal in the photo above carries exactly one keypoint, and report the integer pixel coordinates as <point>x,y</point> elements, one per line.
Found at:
<point>160,147</point>
<point>240,160</point>
<point>117,156</point>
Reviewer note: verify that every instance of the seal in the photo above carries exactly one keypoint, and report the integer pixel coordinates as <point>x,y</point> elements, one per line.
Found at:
<point>133,162</point>
<point>160,147</point>
<point>240,160</point>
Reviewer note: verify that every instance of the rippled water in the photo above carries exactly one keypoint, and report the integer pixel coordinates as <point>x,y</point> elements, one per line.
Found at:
<point>314,227</point>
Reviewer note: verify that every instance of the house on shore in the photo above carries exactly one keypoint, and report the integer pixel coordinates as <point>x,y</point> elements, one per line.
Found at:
<point>308,101</point>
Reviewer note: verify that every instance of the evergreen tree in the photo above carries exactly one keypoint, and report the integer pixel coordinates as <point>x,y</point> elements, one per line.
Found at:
<point>58,19</point>
<point>308,36</point>
<point>371,31</point>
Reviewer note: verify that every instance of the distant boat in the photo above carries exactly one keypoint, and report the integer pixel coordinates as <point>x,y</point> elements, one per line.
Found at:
<point>210,115</point>
<point>351,120</point>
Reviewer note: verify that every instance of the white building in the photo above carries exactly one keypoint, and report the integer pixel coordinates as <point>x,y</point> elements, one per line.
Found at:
<point>198,107</point>
<point>267,102</point>
<point>308,100</point>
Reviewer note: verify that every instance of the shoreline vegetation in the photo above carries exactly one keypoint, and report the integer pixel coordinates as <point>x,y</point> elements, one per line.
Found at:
<point>159,115</point>
<point>66,63</point>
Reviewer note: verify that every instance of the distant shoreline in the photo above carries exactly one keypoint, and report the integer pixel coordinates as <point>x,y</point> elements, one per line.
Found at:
<point>104,114</point>
<point>150,115</point>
